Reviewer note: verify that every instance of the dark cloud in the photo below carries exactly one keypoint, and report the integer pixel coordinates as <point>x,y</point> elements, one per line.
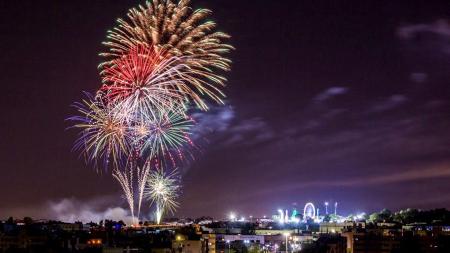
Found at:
<point>418,77</point>
<point>427,48</point>
<point>440,28</point>
<point>389,103</point>
<point>330,92</point>
<point>221,126</point>
<point>217,119</point>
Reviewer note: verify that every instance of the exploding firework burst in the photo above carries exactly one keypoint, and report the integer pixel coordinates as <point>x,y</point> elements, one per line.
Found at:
<point>163,190</point>
<point>142,78</point>
<point>162,133</point>
<point>103,137</point>
<point>174,30</point>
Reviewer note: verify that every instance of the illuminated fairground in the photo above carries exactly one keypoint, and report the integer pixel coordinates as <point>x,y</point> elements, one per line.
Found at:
<point>310,213</point>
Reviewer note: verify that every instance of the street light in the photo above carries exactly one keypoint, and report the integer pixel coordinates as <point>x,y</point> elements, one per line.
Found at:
<point>229,246</point>
<point>286,234</point>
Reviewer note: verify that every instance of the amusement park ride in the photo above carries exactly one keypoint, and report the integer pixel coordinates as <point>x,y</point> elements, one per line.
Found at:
<point>310,212</point>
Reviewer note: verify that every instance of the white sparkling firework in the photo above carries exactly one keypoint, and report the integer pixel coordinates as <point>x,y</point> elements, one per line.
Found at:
<point>163,190</point>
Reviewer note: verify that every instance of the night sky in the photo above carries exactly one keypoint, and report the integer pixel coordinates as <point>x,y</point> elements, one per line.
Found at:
<point>344,101</point>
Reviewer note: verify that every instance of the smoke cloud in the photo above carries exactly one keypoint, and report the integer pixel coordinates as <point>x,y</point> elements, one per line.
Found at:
<point>71,210</point>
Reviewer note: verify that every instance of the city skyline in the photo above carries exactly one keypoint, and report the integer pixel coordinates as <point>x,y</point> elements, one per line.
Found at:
<point>332,102</point>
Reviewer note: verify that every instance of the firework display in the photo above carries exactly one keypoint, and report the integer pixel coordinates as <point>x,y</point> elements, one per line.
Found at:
<point>161,63</point>
<point>163,190</point>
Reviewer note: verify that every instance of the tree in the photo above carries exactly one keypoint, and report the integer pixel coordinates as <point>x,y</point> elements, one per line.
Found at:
<point>406,216</point>
<point>374,217</point>
<point>239,247</point>
<point>10,220</point>
<point>254,249</point>
<point>28,221</point>
<point>384,215</point>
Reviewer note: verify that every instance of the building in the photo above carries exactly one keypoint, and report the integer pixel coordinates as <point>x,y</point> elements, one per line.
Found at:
<point>335,227</point>
<point>22,241</point>
<point>258,239</point>
<point>210,242</point>
<point>187,246</point>
<point>274,231</point>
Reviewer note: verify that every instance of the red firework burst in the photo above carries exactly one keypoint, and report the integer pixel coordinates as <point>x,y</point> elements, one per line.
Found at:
<point>131,72</point>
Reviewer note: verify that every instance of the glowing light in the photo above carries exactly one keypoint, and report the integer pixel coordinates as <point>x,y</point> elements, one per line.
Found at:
<point>281,218</point>
<point>309,211</point>
<point>286,234</point>
<point>360,216</point>
<point>163,190</point>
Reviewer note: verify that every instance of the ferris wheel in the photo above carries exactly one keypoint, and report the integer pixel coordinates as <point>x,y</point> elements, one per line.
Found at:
<point>309,211</point>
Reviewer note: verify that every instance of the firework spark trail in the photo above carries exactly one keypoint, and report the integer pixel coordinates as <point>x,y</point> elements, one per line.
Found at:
<point>125,179</point>
<point>163,190</point>
<point>142,179</point>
